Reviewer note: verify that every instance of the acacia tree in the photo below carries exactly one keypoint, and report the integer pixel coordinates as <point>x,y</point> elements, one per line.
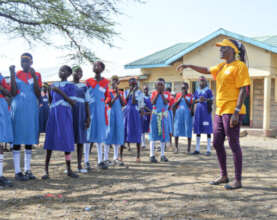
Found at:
<point>77,21</point>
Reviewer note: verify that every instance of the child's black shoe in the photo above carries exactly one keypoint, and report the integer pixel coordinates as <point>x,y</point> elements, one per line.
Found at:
<point>153,159</point>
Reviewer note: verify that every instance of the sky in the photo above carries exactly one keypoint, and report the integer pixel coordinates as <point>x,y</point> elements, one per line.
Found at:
<point>149,27</point>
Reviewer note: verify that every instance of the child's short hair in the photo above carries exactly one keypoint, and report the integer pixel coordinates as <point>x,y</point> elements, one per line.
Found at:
<point>202,78</point>
<point>102,64</point>
<point>66,68</point>
<point>27,55</point>
<point>160,80</point>
<point>185,83</point>
<point>131,79</point>
<point>115,77</point>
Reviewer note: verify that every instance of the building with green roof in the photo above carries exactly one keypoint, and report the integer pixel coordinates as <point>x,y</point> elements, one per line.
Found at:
<point>262,63</point>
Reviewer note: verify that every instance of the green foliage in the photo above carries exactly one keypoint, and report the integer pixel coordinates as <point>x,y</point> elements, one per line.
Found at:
<point>77,21</point>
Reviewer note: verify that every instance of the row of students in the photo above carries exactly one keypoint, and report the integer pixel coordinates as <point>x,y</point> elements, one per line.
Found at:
<point>90,113</point>
<point>230,75</point>
<point>187,113</point>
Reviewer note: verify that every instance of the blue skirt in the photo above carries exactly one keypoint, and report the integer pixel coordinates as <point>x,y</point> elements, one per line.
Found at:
<point>25,119</point>
<point>202,120</point>
<point>79,118</point>
<point>115,130</point>
<point>182,123</point>
<point>145,123</point>
<point>43,117</point>
<point>96,133</point>
<point>6,131</point>
<point>154,134</point>
<point>132,122</point>
<point>59,130</point>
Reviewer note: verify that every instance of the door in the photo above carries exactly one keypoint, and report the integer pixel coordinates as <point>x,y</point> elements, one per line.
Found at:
<point>246,119</point>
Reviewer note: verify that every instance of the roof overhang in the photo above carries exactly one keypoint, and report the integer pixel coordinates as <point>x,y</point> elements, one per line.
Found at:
<point>146,66</point>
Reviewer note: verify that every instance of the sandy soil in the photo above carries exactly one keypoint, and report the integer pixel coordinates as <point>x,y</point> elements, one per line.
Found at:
<point>175,190</point>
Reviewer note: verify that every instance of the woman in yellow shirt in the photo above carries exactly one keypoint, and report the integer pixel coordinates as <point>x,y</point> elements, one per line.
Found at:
<point>232,79</point>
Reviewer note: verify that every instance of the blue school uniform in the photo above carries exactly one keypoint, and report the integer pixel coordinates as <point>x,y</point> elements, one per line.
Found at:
<point>183,117</point>
<point>25,110</point>
<point>159,123</point>
<point>132,118</point>
<point>59,130</point>
<point>43,113</point>
<point>145,119</point>
<point>79,114</point>
<point>96,94</point>
<point>115,129</point>
<point>6,131</point>
<point>203,118</point>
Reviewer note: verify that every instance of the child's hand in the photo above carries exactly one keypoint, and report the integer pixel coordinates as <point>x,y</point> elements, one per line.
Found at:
<point>72,102</point>
<point>32,71</point>
<point>87,122</point>
<point>12,69</point>
<point>201,99</point>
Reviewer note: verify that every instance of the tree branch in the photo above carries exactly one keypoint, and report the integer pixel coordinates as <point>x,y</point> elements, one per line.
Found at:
<point>20,21</point>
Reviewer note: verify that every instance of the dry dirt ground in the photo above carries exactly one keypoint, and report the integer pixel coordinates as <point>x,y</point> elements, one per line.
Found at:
<point>178,189</point>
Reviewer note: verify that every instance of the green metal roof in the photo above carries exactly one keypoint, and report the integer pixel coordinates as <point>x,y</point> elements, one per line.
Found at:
<point>161,56</point>
<point>271,40</point>
<point>165,57</point>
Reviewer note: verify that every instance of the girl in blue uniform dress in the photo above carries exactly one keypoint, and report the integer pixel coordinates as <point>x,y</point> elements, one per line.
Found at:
<point>81,118</point>
<point>59,130</point>
<point>132,117</point>
<point>183,116</point>
<point>203,114</point>
<point>145,119</point>
<point>97,93</point>
<point>115,130</point>
<point>159,123</point>
<point>25,88</point>
<point>6,132</point>
<point>43,110</point>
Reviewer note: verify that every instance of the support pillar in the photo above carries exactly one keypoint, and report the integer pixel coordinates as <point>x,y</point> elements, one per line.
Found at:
<point>267,98</point>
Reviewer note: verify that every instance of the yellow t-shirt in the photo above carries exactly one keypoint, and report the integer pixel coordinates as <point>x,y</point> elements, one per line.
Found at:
<point>230,77</point>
